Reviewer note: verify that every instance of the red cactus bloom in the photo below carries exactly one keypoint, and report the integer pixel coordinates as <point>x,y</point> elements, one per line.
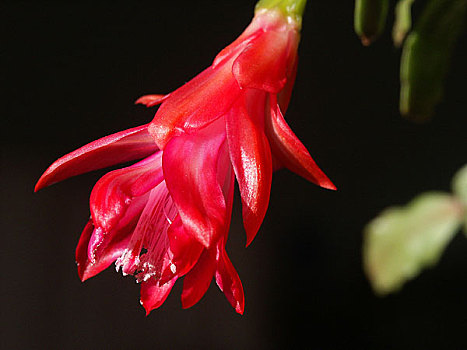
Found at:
<point>168,215</point>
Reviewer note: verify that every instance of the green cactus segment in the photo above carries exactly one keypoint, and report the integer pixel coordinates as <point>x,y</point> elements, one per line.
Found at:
<point>426,56</point>
<point>403,21</point>
<point>292,9</point>
<point>370,19</point>
<point>402,241</point>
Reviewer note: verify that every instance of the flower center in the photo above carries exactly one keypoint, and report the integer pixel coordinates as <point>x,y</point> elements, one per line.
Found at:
<point>148,252</point>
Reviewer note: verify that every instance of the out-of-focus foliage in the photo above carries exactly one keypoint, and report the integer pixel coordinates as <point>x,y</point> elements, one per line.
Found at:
<point>459,187</point>
<point>402,241</point>
<point>426,56</point>
<point>426,51</point>
<point>403,21</point>
<point>370,19</point>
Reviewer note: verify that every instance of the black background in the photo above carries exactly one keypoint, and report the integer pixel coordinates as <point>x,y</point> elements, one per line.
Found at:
<point>70,74</point>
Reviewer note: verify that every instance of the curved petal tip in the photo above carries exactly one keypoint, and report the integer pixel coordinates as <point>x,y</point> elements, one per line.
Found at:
<point>151,100</point>
<point>327,184</point>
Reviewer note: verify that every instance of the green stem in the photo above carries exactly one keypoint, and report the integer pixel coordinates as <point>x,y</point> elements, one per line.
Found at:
<point>290,8</point>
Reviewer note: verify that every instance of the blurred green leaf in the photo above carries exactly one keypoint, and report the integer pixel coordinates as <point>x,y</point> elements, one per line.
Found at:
<point>459,184</point>
<point>370,19</point>
<point>459,188</point>
<point>403,21</point>
<point>401,241</point>
<point>426,56</point>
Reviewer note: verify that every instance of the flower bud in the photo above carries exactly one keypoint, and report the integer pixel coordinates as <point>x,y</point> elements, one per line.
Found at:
<point>370,19</point>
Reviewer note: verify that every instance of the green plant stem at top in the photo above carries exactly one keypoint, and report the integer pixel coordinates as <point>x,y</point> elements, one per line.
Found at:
<point>293,9</point>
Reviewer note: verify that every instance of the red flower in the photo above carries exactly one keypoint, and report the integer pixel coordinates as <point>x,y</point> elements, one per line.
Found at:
<point>168,215</point>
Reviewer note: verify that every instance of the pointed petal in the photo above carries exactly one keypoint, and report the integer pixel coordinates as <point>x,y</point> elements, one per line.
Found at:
<point>197,281</point>
<point>228,281</point>
<point>290,151</point>
<point>151,100</point>
<point>251,160</point>
<point>263,64</point>
<point>87,267</point>
<point>94,255</point>
<point>196,104</point>
<point>114,191</point>
<point>190,165</point>
<point>82,250</point>
<point>117,148</point>
<point>153,295</point>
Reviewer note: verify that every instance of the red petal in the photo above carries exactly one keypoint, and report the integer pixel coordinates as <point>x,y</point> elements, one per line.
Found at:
<point>185,248</point>
<point>190,165</point>
<point>111,245</point>
<point>197,281</point>
<point>117,148</point>
<point>251,160</point>
<point>114,191</point>
<point>153,295</point>
<point>291,152</point>
<point>263,64</point>
<point>82,250</point>
<point>262,22</point>
<point>197,103</point>
<point>237,46</point>
<point>283,97</point>
<point>228,281</point>
<point>151,100</point>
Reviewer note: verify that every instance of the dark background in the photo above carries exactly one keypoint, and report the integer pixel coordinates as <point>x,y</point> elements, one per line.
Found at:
<point>70,74</point>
